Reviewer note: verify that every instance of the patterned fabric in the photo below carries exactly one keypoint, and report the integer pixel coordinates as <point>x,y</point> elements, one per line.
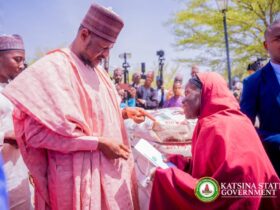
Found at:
<point>103,22</point>
<point>11,42</point>
<point>58,127</point>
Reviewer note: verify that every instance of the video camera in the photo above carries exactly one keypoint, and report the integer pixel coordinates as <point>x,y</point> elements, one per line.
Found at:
<point>125,65</point>
<point>143,69</point>
<point>160,53</point>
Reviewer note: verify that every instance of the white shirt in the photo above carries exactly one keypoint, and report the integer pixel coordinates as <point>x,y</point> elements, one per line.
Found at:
<point>6,111</point>
<point>159,92</point>
<point>276,68</point>
<point>18,186</point>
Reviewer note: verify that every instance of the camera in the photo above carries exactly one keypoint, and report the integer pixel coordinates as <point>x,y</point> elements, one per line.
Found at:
<point>143,76</point>
<point>160,53</point>
<point>143,69</point>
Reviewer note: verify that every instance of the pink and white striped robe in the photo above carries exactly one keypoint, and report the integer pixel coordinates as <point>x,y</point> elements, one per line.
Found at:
<point>62,108</point>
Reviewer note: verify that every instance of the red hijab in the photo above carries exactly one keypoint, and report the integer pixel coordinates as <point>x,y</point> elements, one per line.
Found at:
<point>226,147</point>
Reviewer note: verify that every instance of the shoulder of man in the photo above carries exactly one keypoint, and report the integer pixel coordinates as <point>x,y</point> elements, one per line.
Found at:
<point>53,57</point>
<point>50,63</point>
<point>254,77</point>
<point>51,67</point>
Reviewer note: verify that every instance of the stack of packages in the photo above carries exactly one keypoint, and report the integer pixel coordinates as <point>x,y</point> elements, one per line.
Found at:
<point>171,134</point>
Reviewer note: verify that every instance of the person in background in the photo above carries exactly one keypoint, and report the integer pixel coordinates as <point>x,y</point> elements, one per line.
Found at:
<point>71,132</point>
<point>161,92</point>
<point>176,100</point>
<point>235,79</point>
<point>117,76</point>
<point>261,96</point>
<point>12,60</point>
<point>146,96</point>
<point>177,78</point>
<point>236,87</point>
<point>136,77</point>
<point>237,90</point>
<point>131,102</point>
<point>253,67</point>
<point>127,94</point>
<point>123,96</point>
<point>194,70</point>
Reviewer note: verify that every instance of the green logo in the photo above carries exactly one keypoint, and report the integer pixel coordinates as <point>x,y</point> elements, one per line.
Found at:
<point>207,189</point>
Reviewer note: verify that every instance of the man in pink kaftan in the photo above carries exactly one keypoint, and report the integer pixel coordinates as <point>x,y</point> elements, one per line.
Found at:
<point>69,126</point>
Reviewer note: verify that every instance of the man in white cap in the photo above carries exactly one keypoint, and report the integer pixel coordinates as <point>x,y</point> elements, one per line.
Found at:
<point>69,126</point>
<point>194,70</point>
<point>117,76</point>
<point>12,57</point>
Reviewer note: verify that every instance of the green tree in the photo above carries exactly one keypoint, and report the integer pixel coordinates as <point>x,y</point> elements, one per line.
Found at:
<point>200,27</point>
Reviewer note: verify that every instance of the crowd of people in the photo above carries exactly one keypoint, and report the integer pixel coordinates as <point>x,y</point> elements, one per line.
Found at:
<point>141,93</point>
<point>64,145</point>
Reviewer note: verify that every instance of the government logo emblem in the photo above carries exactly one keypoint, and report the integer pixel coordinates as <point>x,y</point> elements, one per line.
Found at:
<point>207,189</point>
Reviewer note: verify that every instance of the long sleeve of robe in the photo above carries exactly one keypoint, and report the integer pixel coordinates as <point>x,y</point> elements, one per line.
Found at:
<point>39,136</point>
<point>226,147</point>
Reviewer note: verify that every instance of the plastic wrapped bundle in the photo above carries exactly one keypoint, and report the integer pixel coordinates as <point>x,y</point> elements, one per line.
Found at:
<point>171,130</point>
<point>171,133</point>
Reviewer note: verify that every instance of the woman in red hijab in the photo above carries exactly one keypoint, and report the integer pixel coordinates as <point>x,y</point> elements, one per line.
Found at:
<point>225,147</point>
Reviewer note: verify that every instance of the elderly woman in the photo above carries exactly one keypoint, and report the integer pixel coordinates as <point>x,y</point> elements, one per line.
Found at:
<point>225,148</point>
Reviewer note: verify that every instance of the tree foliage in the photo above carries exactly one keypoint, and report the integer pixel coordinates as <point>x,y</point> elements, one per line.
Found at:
<point>200,27</point>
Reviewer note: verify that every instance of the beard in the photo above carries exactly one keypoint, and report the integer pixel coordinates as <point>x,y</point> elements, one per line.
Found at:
<point>85,60</point>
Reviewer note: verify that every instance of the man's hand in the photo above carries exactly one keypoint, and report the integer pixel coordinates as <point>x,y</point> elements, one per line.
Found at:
<point>112,150</point>
<point>10,135</point>
<point>11,139</point>
<point>141,101</point>
<point>137,114</point>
